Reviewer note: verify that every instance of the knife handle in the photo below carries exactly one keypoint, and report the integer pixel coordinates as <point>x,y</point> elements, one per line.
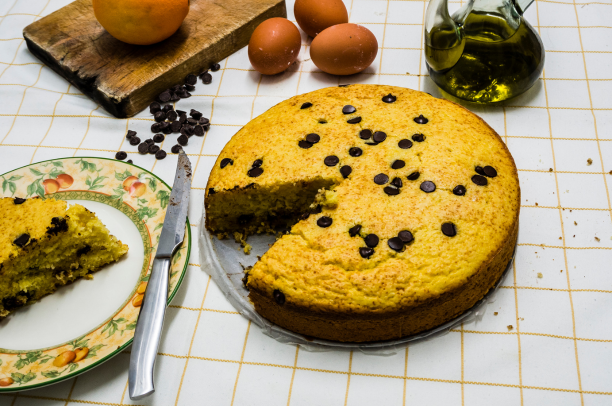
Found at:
<point>148,331</point>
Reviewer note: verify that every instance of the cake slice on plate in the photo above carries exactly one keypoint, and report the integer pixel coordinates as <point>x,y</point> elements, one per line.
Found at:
<point>45,245</point>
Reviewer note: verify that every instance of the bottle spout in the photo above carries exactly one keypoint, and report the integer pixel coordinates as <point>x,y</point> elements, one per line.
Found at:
<point>443,37</point>
<point>522,5</point>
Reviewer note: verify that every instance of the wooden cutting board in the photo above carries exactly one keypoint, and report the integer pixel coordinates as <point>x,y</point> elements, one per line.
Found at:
<point>125,78</point>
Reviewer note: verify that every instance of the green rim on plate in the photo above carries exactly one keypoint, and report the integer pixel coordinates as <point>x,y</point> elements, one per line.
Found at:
<point>141,196</point>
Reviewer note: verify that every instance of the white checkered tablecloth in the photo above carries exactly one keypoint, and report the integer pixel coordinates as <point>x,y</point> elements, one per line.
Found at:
<point>559,349</point>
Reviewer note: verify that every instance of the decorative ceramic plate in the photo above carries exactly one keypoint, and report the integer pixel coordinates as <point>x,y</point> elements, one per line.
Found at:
<point>88,321</point>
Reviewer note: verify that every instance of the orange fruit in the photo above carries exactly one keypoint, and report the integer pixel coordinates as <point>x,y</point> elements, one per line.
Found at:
<point>141,22</point>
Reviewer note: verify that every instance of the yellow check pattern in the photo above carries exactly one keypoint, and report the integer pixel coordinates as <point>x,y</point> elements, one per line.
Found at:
<point>546,340</point>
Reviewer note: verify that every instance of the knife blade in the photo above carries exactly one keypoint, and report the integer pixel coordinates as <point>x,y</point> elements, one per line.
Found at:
<point>151,319</point>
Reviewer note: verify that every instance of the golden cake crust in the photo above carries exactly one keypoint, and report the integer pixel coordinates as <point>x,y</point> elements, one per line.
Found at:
<point>314,280</point>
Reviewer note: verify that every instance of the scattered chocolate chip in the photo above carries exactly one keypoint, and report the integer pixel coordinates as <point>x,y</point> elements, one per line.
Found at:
<point>182,118</point>
<point>279,297</point>
<point>171,115</point>
<point>58,225</point>
<point>207,78</point>
<point>154,107</point>
<point>149,141</point>
<point>366,252</point>
<point>257,163</point>
<point>153,149</point>
<point>304,144</point>
<point>226,161</point>
<point>130,134</point>
<point>331,160</point>
<point>391,191</point>
<point>348,109</point>
<point>174,97</point>
<point>379,136</point>
<point>490,172</point>
<point>324,221</point>
<point>187,130</point>
<point>418,137</point>
<point>353,231</point>
<point>161,154</point>
<point>389,98</point>
<point>190,88</point>
<point>421,120</point>
<point>404,144</point>
<point>371,240</point>
<point>175,126</point>
<point>306,105</point>
<point>22,240</point>
<point>18,200</point>
<point>405,236</point>
<point>215,67</point>
<point>192,121</point>
<point>355,151</point>
<point>304,216</point>
<point>182,140</point>
<point>381,179</point>
<point>134,141</point>
<point>195,114</point>
<point>191,79</point>
<point>83,250</point>
<point>176,149</point>
<point>398,164</point>
<point>345,171</point>
<point>155,127</point>
<point>428,186</point>
<point>198,130</point>
<point>479,170</point>
<point>159,138</point>
<point>143,148</point>
<point>175,88</point>
<point>395,244</point>
<point>459,190</point>
<point>255,172</point>
<point>365,134</point>
<point>129,161</point>
<point>413,176</point>
<point>397,182</point>
<point>204,121</point>
<point>121,155</point>
<point>355,120</point>
<point>164,97</point>
<point>167,108</point>
<point>166,127</point>
<point>313,138</point>
<point>449,229</point>
<point>479,180</point>
<point>159,116</point>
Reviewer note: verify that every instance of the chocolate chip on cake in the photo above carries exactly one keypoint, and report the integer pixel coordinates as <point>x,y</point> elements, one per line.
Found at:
<point>257,163</point>
<point>490,172</point>
<point>379,136</point>
<point>355,120</point>
<point>395,244</point>
<point>313,138</point>
<point>225,162</point>
<point>479,180</point>
<point>397,182</point>
<point>215,67</point>
<point>279,297</point>
<point>459,190</point>
<point>255,172</point>
<point>398,164</point>
<point>58,225</point>
<point>365,134</point>
<point>304,144</point>
<point>428,186</point>
<point>389,98</point>
<point>161,154</point>
<point>306,105</point>
<point>353,231</point>
<point>159,138</point>
<point>176,149</point>
<point>22,240</point>
<point>366,252</point>
<point>418,137</point>
<point>421,120</point>
<point>345,171</point>
<point>191,79</point>
<point>153,149</point>
<point>355,151</point>
<point>18,200</point>
<point>371,240</point>
<point>324,221</point>
<point>331,160</point>
<point>449,229</point>
<point>207,78</point>
<point>404,144</point>
<point>348,109</point>
<point>479,170</point>
<point>413,176</point>
<point>154,107</point>
<point>391,191</point>
<point>121,155</point>
<point>343,85</point>
<point>211,191</point>
<point>405,236</point>
<point>183,140</point>
<point>381,179</point>
<point>143,148</point>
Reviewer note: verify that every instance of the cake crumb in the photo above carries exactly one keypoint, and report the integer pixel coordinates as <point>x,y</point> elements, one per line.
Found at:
<point>540,275</point>
<point>575,223</point>
<point>597,239</point>
<point>247,249</point>
<point>495,313</point>
<point>550,170</point>
<point>560,238</point>
<point>510,327</point>
<point>589,162</point>
<point>536,203</point>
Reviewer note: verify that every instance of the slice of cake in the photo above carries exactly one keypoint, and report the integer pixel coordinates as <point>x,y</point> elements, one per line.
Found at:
<point>44,245</point>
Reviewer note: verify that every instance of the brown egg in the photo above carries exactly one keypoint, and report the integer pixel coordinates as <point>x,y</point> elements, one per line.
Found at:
<point>274,45</point>
<point>313,16</point>
<point>344,49</point>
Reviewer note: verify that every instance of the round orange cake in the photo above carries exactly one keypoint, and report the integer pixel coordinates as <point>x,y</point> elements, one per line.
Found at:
<point>403,210</point>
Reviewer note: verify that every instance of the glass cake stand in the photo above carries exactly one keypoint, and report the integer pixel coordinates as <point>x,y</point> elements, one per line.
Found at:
<point>224,261</point>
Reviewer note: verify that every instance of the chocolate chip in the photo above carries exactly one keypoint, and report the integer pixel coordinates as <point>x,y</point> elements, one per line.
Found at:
<point>404,144</point>
<point>418,137</point>
<point>18,200</point>
<point>175,88</point>
<point>129,161</point>
<point>345,171</point>
<point>83,250</point>
<point>405,236</point>
<point>204,121</point>
<point>207,78</point>
<point>164,97</point>
<point>479,180</point>
<point>161,154</point>
<point>195,114</point>
<point>304,144</point>
<point>428,186</point>
<point>166,128</point>
<point>159,138</point>
<point>175,126</point>
<point>490,171</point>
<point>421,120</point>
<point>143,148</point>
<point>155,127</point>
<point>365,134</point>
<point>130,134</point>
<point>459,190</point>
<point>398,164</point>
<point>192,121</point>
<point>348,109</point>
<point>355,120</point>
<point>279,297</point>
<point>306,105</point>
<point>381,179</point>
<point>353,231</point>
<point>479,170</point>
<point>167,108</point>
<point>182,140</point>
<point>190,88</point>
<point>255,172</point>
<point>58,224</point>
<point>366,252</point>
<point>371,240</point>
<point>391,191</point>
<point>174,97</point>
<point>413,176</point>
<point>324,221</point>
<point>159,116</point>
<point>187,130</point>
<point>176,149</point>
<point>154,107</point>
<point>449,229</point>
<point>171,115</point>
<point>355,151</point>
<point>22,240</point>
<point>202,73</point>
<point>211,191</point>
<point>257,163</point>
<point>313,138</point>
<point>343,85</point>
<point>153,149</point>
<point>226,161</point>
<point>389,98</point>
<point>215,67</point>
<point>322,121</point>
<point>149,141</point>
<point>134,141</point>
<point>395,244</point>
<point>397,182</point>
<point>182,118</point>
<point>191,79</point>
<point>198,130</point>
<point>379,136</point>
<point>331,160</point>
<point>121,155</point>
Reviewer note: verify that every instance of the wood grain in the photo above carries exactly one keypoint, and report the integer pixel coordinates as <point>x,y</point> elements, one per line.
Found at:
<point>125,78</point>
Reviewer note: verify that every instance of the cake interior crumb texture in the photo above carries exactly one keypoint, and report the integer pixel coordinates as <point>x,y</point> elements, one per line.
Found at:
<point>45,245</point>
